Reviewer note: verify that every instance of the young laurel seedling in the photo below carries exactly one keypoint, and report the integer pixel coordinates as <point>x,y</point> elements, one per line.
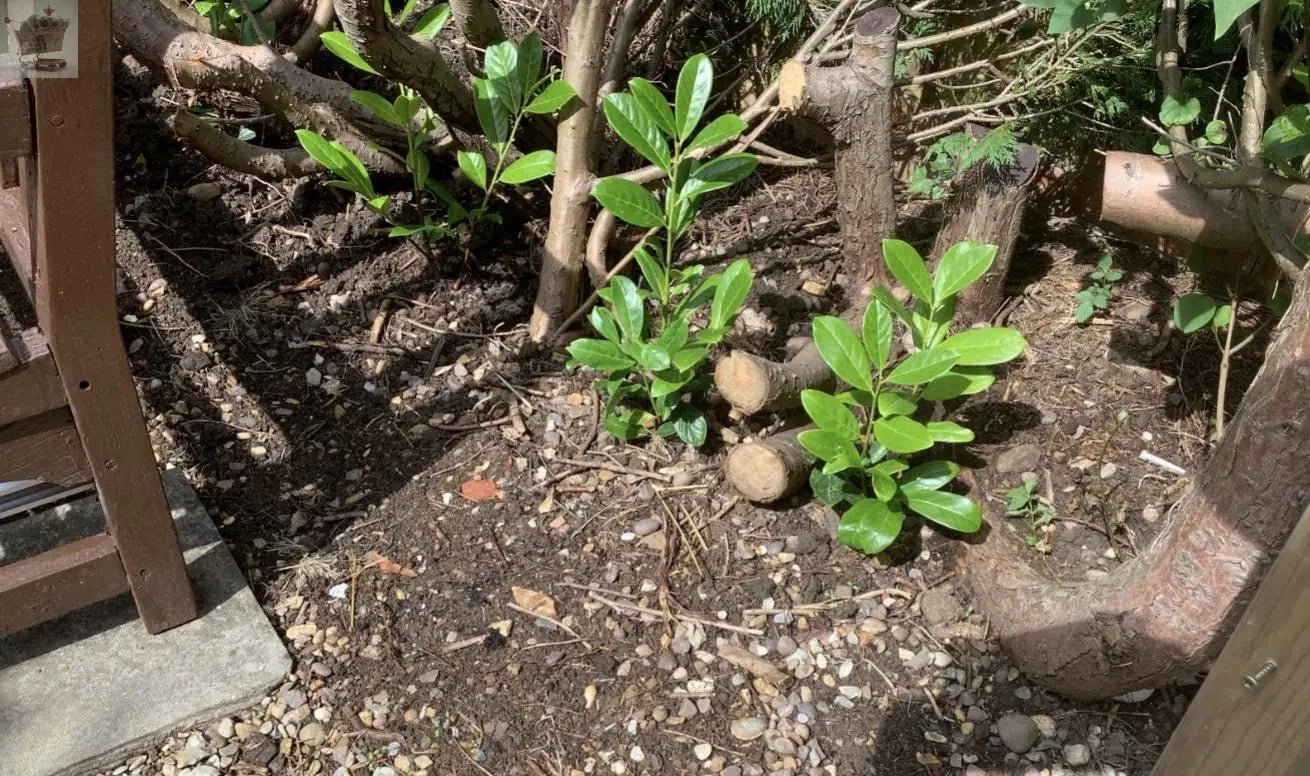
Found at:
<point>867,437</point>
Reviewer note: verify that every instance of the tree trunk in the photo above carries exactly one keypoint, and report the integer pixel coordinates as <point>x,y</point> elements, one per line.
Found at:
<point>987,207</point>
<point>575,169</point>
<point>1168,611</point>
<point>854,101</point>
<point>477,22</point>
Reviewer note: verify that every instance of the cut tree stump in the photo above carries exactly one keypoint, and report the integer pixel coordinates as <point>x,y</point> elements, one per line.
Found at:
<point>768,469</point>
<point>752,384</point>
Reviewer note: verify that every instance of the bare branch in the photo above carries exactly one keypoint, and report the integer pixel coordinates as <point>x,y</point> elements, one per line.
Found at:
<point>308,42</point>
<point>222,148</point>
<point>961,32</point>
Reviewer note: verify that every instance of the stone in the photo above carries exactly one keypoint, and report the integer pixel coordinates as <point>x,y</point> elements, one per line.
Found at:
<point>203,192</point>
<point>313,734</point>
<point>786,646</point>
<point>646,527</point>
<point>1020,458</point>
<point>748,728</point>
<point>69,674</point>
<point>226,728</point>
<point>687,709</point>
<point>1023,693</point>
<point>1018,732</point>
<point>703,751</point>
<point>802,544</point>
<point>939,607</point>
<point>1077,755</point>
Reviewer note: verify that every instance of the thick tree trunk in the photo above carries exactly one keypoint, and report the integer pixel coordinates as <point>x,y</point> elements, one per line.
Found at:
<point>1168,611</point>
<point>987,207</point>
<point>768,469</point>
<point>854,102</point>
<point>575,169</point>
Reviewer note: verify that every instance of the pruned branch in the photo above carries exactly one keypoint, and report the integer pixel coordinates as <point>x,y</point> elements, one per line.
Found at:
<point>222,148</point>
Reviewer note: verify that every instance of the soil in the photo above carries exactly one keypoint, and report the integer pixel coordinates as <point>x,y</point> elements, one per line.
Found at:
<point>473,578</point>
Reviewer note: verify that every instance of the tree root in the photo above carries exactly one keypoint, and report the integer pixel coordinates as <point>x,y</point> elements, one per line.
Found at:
<point>768,469</point>
<point>222,148</point>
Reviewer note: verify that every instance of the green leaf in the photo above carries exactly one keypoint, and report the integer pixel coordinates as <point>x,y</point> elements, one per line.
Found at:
<point>530,167</point>
<point>551,99</point>
<point>629,424</point>
<point>720,173</point>
<point>474,167</point>
<point>1193,312</point>
<point>501,60</point>
<point>885,298</point>
<point>430,23</point>
<point>830,414</point>
<point>380,106</point>
<point>648,354</point>
<point>689,358</point>
<point>600,355</point>
<point>869,526</point>
<point>890,467</point>
<point>827,446</point>
<point>321,150</point>
<point>719,131</point>
<point>629,201</point>
<point>653,104</point>
<point>877,331</point>
<point>1226,12</point>
<point>947,509</point>
<point>932,475</point>
<point>337,42</point>
<point>833,489</point>
<point>652,270</point>
<point>986,346</point>
<point>405,11</point>
<point>1288,135</point>
<point>1175,112</point>
<point>1217,132</point>
<point>417,162</point>
<point>528,67</point>
<point>674,336</point>
<point>961,265</point>
<point>924,366</point>
<point>731,293</point>
<point>629,311</point>
<point>900,434</point>
<point>694,85</point>
<point>631,123</point>
<point>492,114</point>
<point>661,386</point>
<point>602,320</point>
<point>690,425</point>
<point>884,487</point>
<point>1222,317</point>
<point>895,403</point>
<point>843,352</point>
<point>948,431</point>
<point>907,266</point>
<point>958,382</point>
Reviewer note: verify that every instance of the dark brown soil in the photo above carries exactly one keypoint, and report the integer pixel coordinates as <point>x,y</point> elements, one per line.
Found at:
<point>331,395</point>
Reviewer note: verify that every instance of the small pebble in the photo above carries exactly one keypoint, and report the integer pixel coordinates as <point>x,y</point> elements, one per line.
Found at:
<point>703,751</point>
<point>748,728</point>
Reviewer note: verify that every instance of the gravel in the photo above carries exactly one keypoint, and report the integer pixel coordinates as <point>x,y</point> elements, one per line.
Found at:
<point>1018,732</point>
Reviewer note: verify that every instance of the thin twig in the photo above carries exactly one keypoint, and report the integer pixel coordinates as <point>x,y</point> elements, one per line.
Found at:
<point>620,606</point>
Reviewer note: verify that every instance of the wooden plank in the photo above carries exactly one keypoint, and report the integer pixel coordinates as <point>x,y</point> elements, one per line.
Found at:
<point>59,581</point>
<point>1232,729</point>
<point>7,360</point>
<point>75,304</point>
<point>16,229</point>
<point>15,119</point>
<point>46,447</point>
<point>34,387</point>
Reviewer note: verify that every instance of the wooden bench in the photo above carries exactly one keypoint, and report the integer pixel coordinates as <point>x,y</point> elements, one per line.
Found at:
<point>69,412</point>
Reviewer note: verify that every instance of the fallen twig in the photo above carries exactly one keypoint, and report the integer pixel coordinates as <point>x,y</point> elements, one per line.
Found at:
<point>630,609</point>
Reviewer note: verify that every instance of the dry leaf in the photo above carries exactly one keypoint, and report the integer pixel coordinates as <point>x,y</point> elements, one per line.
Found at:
<point>755,665</point>
<point>534,601</point>
<point>387,565</point>
<point>503,627</point>
<point>547,503</point>
<point>589,695</point>
<point>479,489</point>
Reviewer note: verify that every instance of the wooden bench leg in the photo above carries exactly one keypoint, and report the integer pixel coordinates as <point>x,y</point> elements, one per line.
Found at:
<point>75,301</point>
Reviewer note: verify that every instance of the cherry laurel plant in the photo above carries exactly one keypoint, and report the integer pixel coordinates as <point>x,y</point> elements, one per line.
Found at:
<point>867,439</point>
<point>655,337</point>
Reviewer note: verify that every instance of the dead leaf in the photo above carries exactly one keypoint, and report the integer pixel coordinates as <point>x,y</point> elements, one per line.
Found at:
<point>547,503</point>
<point>755,665</point>
<point>534,601</point>
<point>387,565</point>
<point>503,627</point>
<point>479,489</point>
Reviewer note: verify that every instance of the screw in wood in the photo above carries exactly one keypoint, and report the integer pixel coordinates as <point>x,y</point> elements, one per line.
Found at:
<point>1251,680</point>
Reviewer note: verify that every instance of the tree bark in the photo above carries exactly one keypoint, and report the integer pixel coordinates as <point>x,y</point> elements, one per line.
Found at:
<point>853,101</point>
<point>222,148</point>
<point>575,169</point>
<point>768,469</point>
<point>477,22</point>
<point>987,207</point>
<point>1168,611</point>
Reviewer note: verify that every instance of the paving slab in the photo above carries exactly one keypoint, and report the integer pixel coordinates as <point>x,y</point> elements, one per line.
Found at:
<point>92,687</point>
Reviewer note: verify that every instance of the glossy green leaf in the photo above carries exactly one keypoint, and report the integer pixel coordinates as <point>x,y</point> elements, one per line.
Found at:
<point>528,67</point>
<point>380,106</point>
<point>933,475</point>
<point>337,42</point>
<point>721,130</point>
<point>689,358</point>
<point>648,355</point>
<point>1179,112</point>
<point>986,346</point>
<point>826,445</point>
<point>960,266</point>
<point>1226,12</point>
<point>629,201</point>
<point>1217,132</point>
<point>877,332</point>
<point>1222,317</point>
<point>430,23</point>
<point>884,487</point>
<point>895,403</point>
<point>501,60</point>
<point>1288,136</point>
<point>652,270</point>
<point>830,414</point>
<point>529,167</point>
<point>474,167</point>
<point>694,85</point>
<point>600,355</point>
<point>671,384</point>
<point>901,434</point>
<point>833,489</point>
<point>674,336</point>
<point>843,352</point>
<point>654,105</point>
<point>602,320</point>
<point>947,509</point>
<point>885,298</point>
<point>891,467</point>
<point>869,526</point>
<point>322,151</point>
<point>720,173</point>
<point>629,311</point>
<point>493,116</point>
<point>949,431</point>
<point>631,123</point>
<point>730,294</point>
<point>629,424</point>
<point>551,99</point>
<point>691,426</point>
<point>958,382</point>
<point>924,366</point>
<point>1193,312</point>
<point>907,266</point>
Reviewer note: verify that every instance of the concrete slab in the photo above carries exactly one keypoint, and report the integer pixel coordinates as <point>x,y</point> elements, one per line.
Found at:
<point>88,689</point>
